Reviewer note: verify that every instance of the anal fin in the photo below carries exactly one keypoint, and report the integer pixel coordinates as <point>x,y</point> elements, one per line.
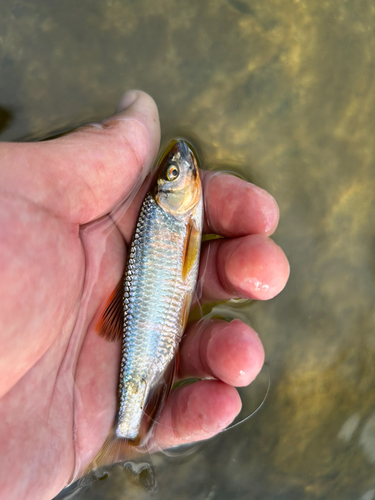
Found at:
<point>157,397</point>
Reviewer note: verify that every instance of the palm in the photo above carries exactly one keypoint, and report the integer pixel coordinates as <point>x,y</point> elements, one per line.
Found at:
<point>58,377</point>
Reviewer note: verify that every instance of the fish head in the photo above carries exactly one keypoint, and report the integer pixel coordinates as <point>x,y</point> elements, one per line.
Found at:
<point>178,186</point>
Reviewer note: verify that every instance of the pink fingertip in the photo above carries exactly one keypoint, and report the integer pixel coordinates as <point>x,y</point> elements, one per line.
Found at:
<point>244,208</point>
<point>260,270</point>
<point>269,209</point>
<point>235,353</point>
<point>213,411</point>
<point>197,412</point>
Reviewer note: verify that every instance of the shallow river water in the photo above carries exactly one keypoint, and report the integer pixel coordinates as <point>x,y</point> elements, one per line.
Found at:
<point>281,92</point>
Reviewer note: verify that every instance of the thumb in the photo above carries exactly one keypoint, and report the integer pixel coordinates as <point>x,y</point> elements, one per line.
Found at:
<point>85,174</point>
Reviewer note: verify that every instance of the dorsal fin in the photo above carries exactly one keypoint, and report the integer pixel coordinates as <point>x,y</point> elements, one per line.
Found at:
<point>110,324</point>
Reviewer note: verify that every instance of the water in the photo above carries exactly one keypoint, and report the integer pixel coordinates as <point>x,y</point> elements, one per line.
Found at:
<point>281,92</point>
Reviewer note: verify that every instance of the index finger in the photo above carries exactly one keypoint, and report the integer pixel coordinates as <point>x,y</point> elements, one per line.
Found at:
<point>234,207</point>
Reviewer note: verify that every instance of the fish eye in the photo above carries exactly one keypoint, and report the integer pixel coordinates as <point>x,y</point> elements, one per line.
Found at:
<point>172,173</point>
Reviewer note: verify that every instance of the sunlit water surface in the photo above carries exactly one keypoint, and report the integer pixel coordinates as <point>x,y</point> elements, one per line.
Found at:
<point>281,92</point>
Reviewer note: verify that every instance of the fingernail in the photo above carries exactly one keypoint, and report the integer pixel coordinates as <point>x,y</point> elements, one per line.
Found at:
<point>127,100</point>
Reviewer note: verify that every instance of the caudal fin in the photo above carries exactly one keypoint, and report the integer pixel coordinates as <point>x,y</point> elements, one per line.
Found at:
<point>121,451</point>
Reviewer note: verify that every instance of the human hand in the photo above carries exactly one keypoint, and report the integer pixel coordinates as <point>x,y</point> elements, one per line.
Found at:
<point>58,378</point>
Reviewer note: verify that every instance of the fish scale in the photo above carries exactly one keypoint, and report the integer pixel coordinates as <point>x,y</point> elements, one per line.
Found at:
<point>153,275</point>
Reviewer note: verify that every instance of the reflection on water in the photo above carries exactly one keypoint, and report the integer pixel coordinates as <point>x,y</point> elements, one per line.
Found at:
<point>283,92</point>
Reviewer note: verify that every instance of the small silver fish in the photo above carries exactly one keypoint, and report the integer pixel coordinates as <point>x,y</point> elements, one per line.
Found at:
<point>150,307</point>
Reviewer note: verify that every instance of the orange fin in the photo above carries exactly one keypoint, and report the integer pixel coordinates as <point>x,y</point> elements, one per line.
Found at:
<point>110,325</point>
<point>158,396</point>
<point>185,310</point>
<point>192,245</point>
<point>121,451</point>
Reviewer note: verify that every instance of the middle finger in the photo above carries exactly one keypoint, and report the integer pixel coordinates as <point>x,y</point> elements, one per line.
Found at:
<point>251,267</point>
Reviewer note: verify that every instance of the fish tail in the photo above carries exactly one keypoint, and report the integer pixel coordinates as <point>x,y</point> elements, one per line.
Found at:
<point>126,453</point>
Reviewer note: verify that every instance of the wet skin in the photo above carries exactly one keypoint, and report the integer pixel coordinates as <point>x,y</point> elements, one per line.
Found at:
<point>58,379</point>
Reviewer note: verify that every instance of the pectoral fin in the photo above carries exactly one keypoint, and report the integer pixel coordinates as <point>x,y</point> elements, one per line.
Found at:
<point>192,246</point>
